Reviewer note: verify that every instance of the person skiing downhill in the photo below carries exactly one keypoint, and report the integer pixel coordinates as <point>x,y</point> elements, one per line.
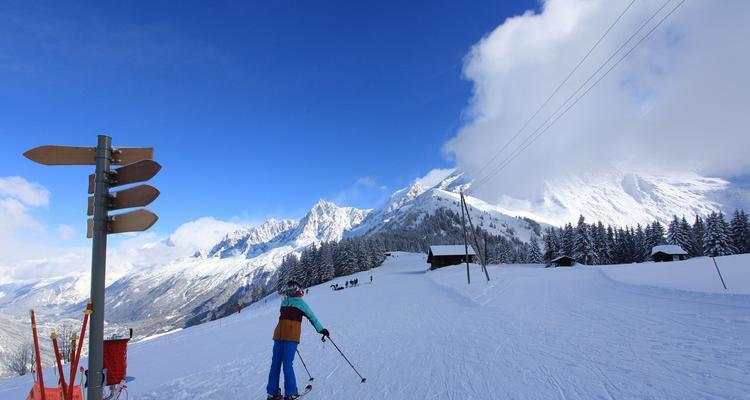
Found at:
<point>286,337</point>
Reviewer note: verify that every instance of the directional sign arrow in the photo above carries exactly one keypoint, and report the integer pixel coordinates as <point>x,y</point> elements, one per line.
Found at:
<point>62,155</point>
<point>129,155</point>
<point>139,196</point>
<point>133,173</point>
<point>71,155</point>
<point>133,221</point>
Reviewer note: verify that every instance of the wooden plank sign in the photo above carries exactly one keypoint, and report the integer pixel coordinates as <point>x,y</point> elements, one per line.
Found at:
<point>130,155</point>
<point>62,155</point>
<point>71,155</point>
<point>133,173</point>
<point>133,221</point>
<point>139,196</point>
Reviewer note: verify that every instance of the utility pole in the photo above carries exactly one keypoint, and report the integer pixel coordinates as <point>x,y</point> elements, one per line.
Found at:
<point>478,250</point>
<point>466,240</point>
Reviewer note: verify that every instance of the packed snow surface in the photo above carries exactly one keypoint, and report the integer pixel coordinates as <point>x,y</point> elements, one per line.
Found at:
<point>531,333</point>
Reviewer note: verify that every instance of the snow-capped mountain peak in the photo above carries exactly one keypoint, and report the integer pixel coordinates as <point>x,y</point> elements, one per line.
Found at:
<point>619,197</point>
<point>327,222</point>
<point>241,241</point>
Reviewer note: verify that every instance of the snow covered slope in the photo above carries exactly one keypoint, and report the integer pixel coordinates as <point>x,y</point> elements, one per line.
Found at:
<point>626,198</point>
<point>239,268</point>
<point>47,296</point>
<point>408,206</point>
<point>241,242</point>
<point>531,333</point>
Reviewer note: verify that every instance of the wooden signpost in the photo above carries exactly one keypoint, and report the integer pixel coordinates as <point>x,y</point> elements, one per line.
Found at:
<point>133,221</point>
<point>138,166</point>
<point>138,196</point>
<point>133,173</point>
<point>70,155</point>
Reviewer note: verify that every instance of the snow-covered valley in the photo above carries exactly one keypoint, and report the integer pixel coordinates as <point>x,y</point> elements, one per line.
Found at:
<point>530,333</point>
<point>181,290</point>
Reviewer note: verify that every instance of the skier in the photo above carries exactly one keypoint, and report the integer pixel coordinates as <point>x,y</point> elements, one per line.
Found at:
<point>286,338</point>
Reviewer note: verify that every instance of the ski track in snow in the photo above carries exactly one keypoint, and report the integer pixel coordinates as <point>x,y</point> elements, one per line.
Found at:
<point>530,333</point>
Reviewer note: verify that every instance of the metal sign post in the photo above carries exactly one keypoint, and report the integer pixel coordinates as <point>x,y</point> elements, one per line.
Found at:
<point>139,167</point>
<point>98,267</point>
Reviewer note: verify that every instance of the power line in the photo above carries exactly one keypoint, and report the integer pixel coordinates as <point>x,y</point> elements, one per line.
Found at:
<point>499,167</point>
<point>557,89</point>
<point>543,129</point>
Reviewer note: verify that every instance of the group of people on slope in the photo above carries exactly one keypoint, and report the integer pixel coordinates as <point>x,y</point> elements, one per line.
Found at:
<point>348,284</point>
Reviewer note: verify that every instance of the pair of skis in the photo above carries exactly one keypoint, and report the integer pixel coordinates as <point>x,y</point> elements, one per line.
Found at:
<point>307,390</point>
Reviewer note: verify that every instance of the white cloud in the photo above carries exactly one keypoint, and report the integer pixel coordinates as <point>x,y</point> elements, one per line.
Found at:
<point>435,176</point>
<point>678,102</point>
<point>32,261</point>
<point>17,197</point>
<point>30,251</point>
<point>202,233</point>
<point>66,231</point>
<point>365,181</point>
<point>28,193</point>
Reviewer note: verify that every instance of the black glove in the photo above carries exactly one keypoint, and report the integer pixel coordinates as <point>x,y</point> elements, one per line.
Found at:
<point>325,333</point>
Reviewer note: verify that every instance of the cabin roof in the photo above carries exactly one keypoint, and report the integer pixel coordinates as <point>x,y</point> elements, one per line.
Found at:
<point>670,249</point>
<point>451,250</point>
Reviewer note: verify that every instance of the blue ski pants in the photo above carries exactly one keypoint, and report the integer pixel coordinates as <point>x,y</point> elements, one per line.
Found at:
<point>283,353</point>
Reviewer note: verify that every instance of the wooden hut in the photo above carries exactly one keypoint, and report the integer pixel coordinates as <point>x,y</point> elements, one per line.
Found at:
<point>563,261</point>
<point>668,252</point>
<point>441,256</point>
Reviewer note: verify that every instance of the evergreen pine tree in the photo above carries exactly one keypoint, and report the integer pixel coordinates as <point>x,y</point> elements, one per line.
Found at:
<point>740,232</point>
<point>697,248</point>
<point>611,246</point>
<point>327,270</point>
<point>684,235</point>
<point>715,238</point>
<point>673,231</point>
<point>551,244</point>
<point>601,246</point>
<point>640,245</point>
<point>535,253</point>
<point>568,240</point>
<point>583,246</point>
<point>657,234</point>
<point>350,257</point>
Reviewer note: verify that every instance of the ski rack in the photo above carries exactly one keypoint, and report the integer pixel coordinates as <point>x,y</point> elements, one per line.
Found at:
<point>64,390</point>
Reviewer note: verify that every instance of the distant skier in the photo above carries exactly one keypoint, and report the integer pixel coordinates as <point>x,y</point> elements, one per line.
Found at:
<point>370,279</point>
<point>286,338</point>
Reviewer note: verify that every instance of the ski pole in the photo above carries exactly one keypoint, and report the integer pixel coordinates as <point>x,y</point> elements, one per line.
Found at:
<point>305,365</point>
<point>342,355</point>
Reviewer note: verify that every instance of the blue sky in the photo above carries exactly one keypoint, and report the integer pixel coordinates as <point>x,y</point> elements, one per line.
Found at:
<point>255,109</point>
